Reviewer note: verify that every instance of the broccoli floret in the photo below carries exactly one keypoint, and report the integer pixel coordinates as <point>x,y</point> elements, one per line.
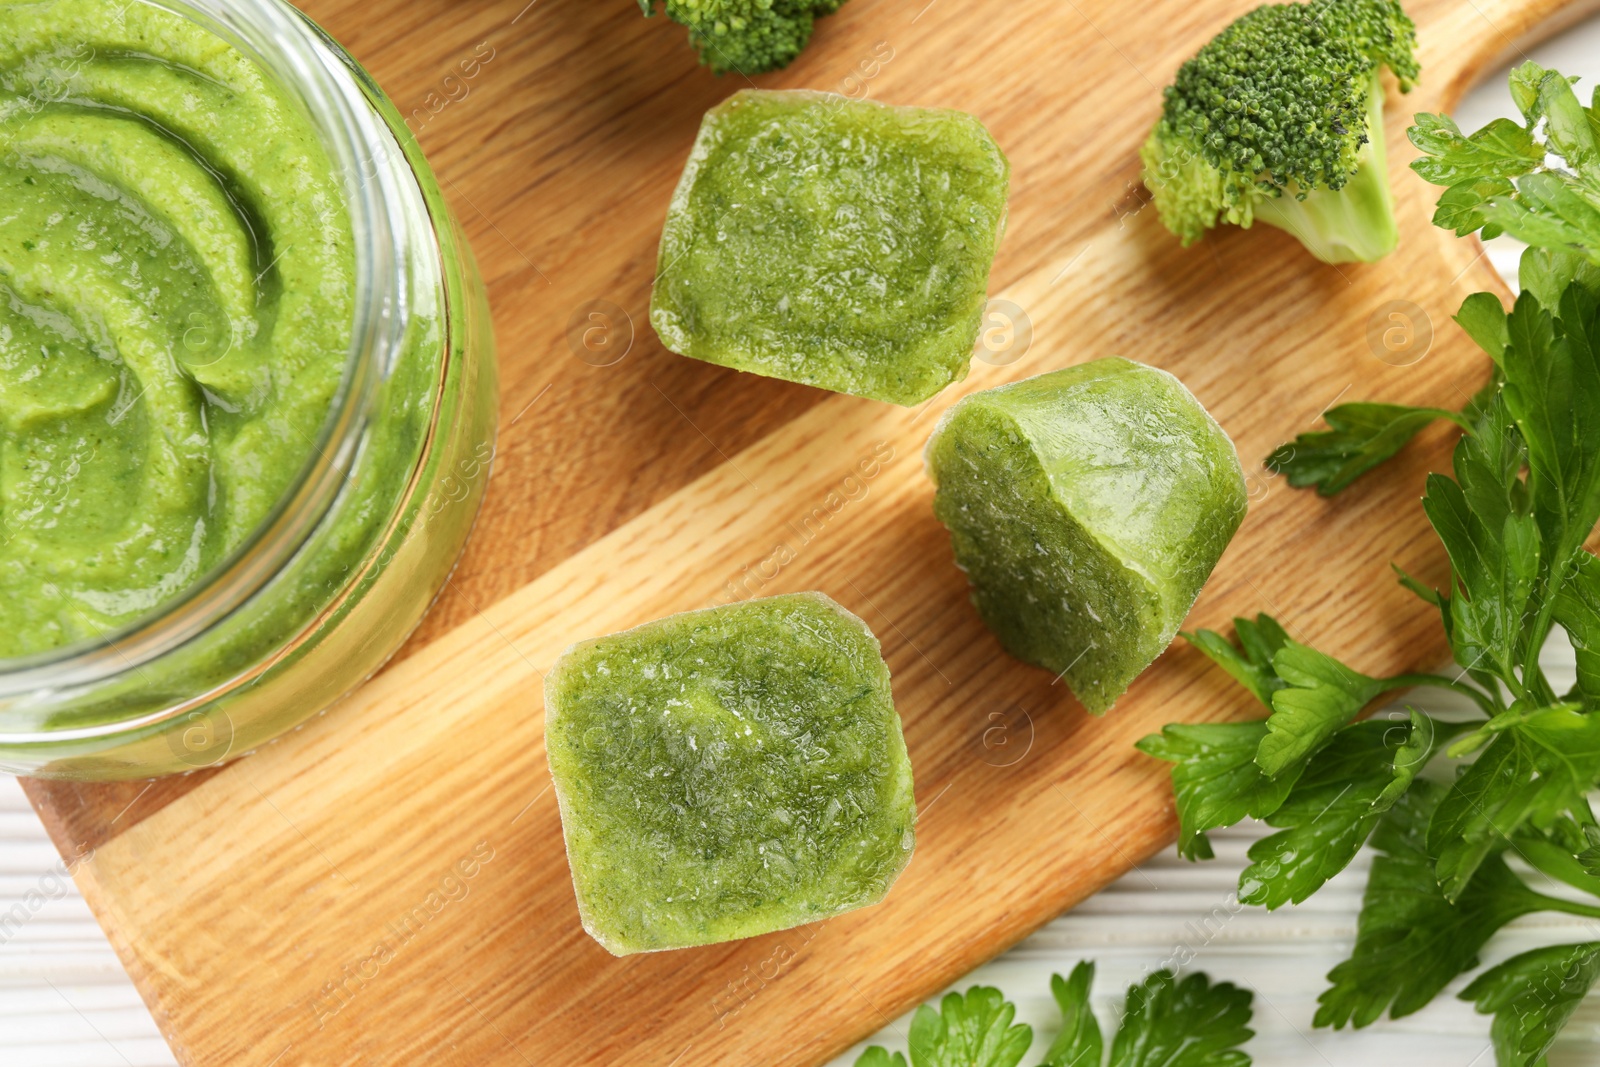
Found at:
<point>746,36</point>
<point>1279,119</point>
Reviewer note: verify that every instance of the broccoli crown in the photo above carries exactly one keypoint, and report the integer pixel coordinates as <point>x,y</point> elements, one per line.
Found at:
<point>746,36</point>
<point>1279,100</point>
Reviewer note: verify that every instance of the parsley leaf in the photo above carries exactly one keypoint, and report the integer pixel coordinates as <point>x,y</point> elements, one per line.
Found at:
<point>1483,317</point>
<point>1322,695</point>
<point>1079,1043</point>
<point>1559,853</point>
<point>1501,179</point>
<point>1493,542</point>
<point>1532,996</point>
<point>1361,436</point>
<point>1461,207</point>
<point>1188,1023</point>
<point>1589,857</point>
<point>1549,208</point>
<point>1546,273</point>
<point>1215,781</point>
<point>1227,771</point>
<point>1365,435</point>
<point>1502,149</point>
<point>878,1056</point>
<point>1335,806</point>
<point>969,1030</point>
<point>1546,95</point>
<point>1410,940</point>
<point>1422,740</point>
<point>1166,1023</point>
<point>1475,168</point>
<point>1250,662</point>
<point>1552,391</point>
<point>1541,764</point>
<point>1577,609</point>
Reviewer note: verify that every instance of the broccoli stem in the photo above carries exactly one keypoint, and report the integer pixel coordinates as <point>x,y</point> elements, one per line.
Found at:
<point>1353,224</point>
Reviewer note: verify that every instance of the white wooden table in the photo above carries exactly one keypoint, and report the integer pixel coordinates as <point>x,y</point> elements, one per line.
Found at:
<point>65,1001</point>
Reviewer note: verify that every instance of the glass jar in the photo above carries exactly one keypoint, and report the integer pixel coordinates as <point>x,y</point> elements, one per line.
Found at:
<point>347,563</point>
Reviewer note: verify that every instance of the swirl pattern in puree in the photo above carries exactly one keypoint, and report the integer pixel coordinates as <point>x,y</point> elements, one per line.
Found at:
<point>176,300</point>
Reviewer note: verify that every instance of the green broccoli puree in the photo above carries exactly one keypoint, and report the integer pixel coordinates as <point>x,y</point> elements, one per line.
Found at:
<point>841,243</point>
<point>1087,507</point>
<point>728,772</point>
<point>176,305</point>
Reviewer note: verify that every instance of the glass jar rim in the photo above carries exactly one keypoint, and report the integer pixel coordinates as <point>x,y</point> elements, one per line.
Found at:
<point>333,92</point>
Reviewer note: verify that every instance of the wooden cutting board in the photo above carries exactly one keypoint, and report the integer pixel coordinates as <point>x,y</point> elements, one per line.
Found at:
<point>387,885</point>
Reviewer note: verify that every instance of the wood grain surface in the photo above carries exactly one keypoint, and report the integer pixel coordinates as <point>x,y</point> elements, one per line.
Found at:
<point>388,883</point>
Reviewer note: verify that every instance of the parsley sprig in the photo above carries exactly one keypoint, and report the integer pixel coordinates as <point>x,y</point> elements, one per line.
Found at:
<point>1513,515</point>
<point>1166,1022</point>
<point>1501,179</point>
<point>971,1029</point>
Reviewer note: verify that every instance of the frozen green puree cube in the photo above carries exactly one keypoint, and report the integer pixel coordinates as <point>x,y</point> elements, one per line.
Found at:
<point>728,772</point>
<point>841,243</point>
<point>1087,506</point>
